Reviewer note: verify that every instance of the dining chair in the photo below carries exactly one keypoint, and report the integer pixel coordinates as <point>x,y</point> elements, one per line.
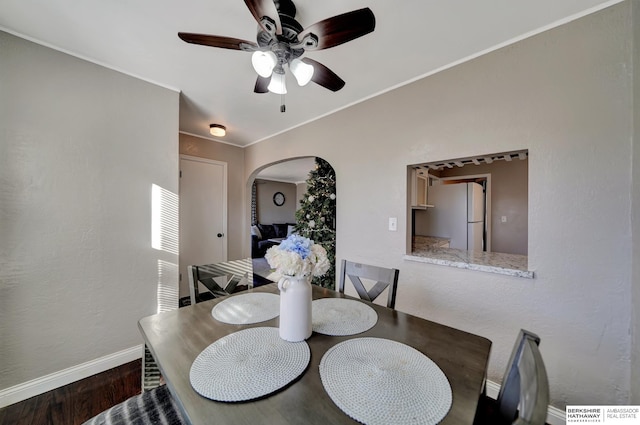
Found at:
<point>155,406</point>
<point>384,278</point>
<point>524,395</point>
<point>220,279</point>
<point>151,376</point>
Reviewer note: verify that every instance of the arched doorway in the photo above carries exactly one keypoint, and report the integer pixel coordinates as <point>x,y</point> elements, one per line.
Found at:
<point>294,195</point>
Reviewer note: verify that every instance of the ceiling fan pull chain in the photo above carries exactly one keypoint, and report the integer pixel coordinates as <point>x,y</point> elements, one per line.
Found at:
<point>283,108</point>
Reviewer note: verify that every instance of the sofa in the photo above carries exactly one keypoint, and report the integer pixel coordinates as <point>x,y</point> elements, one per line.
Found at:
<point>264,236</point>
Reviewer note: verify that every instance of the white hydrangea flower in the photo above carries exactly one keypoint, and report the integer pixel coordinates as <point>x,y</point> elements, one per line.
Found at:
<point>320,258</point>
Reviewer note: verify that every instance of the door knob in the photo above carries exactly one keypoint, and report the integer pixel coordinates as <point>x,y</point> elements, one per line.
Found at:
<point>220,235</point>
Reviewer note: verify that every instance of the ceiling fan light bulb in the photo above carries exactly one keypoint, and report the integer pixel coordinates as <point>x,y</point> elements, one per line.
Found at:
<point>277,84</point>
<point>217,130</point>
<point>302,71</point>
<point>263,62</point>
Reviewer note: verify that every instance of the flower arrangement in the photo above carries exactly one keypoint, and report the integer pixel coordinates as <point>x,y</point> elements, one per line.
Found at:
<point>298,256</point>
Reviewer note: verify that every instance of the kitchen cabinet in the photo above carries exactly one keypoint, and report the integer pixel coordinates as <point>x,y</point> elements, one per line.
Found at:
<point>419,189</point>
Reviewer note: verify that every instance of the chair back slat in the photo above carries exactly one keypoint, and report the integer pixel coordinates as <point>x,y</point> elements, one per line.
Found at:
<point>360,289</point>
<point>534,385</point>
<point>384,278</point>
<point>366,271</point>
<point>377,289</point>
<point>524,394</point>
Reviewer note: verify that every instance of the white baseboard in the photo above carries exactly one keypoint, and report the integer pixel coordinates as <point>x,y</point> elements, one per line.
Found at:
<point>493,389</point>
<point>55,380</point>
<point>555,416</point>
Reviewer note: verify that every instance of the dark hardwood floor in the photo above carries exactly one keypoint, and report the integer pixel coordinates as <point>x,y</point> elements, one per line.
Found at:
<point>77,402</point>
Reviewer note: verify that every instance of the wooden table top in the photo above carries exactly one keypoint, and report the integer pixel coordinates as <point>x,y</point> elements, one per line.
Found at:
<point>177,337</point>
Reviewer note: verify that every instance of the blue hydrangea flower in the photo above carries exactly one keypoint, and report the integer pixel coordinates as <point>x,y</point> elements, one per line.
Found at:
<point>298,244</point>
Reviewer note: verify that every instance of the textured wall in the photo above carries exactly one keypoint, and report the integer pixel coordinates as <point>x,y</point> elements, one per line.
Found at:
<point>566,96</point>
<point>80,147</point>
<point>268,212</point>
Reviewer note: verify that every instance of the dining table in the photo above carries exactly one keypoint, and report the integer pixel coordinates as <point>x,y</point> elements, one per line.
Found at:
<point>182,339</point>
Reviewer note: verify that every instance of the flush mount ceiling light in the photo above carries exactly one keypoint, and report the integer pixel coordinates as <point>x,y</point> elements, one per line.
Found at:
<point>217,130</point>
<point>281,42</point>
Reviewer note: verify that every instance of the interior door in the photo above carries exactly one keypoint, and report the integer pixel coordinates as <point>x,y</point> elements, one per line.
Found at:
<point>203,214</point>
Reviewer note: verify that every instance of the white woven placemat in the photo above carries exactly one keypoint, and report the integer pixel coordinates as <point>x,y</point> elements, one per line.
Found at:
<point>379,381</point>
<point>244,309</point>
<point>340,316</point>
<point>248,364</point>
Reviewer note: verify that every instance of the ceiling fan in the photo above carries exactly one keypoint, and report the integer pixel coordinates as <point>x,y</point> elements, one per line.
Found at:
<point>281,41</point>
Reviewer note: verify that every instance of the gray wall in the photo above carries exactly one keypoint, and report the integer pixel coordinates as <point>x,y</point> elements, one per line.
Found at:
<point>268,212</point>
<point>80,147</point>
<point>566,96</point>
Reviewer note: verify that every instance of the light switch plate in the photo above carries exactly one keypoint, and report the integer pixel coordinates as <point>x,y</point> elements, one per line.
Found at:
<point>393,224</point>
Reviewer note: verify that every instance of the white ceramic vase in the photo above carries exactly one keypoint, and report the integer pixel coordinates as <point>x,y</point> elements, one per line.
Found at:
<point>295,308</point>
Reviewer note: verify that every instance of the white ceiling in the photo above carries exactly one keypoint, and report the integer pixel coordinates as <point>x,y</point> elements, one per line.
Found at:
<point>412,39</point>
<point>290,171</point>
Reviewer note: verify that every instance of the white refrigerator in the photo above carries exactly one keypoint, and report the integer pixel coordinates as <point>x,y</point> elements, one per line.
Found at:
<point>457,214</point>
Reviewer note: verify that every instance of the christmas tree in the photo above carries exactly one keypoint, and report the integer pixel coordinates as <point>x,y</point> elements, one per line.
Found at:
<point>317,215</point>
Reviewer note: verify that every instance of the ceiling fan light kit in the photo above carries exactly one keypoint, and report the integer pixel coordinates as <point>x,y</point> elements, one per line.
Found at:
<point>277,84</point>
<point>302,71</point>
<point>281,41</point>
<point>217,130</point>
<point>264,62</point>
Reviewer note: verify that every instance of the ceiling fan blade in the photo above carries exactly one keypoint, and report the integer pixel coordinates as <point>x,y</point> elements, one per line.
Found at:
<point>340,29</point>
<point>216,41</point>
<point>261,85</point>
<point>324,76</point>
<point>265,8</point>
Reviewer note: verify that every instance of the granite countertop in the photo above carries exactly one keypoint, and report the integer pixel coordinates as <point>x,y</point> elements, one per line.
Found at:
<point>427,249</point>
